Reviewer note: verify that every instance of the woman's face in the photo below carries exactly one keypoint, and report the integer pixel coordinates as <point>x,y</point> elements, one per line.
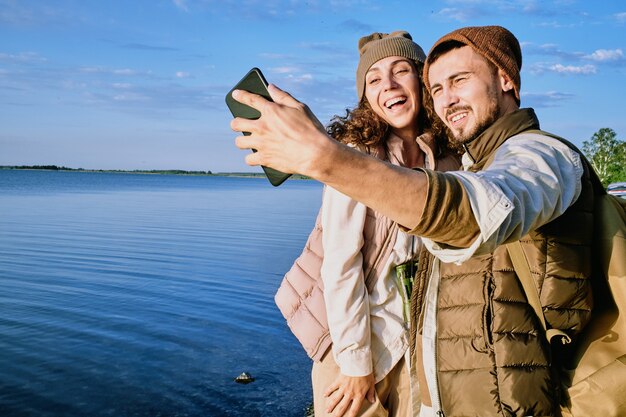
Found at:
<point>392,88</point>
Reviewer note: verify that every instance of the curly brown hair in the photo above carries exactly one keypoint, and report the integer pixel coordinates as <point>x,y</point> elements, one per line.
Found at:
<point>363,128</point>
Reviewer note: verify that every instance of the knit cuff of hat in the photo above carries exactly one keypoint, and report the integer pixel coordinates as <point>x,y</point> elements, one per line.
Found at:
<point>494,43</point>
<point>383,48</point>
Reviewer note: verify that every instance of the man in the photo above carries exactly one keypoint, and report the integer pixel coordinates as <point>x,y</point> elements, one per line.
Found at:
<point>478,347</point>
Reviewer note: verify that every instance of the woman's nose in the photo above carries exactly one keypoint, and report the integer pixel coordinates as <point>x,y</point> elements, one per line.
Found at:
<point>389,83</point>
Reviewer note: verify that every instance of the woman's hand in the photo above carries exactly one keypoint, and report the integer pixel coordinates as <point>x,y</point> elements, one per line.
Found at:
<point>346,394</point>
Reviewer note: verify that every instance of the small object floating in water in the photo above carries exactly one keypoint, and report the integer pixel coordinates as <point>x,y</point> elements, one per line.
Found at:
<point>244,378</point>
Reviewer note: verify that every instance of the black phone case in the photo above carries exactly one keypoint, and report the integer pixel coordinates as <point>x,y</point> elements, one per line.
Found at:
<point>254,82</point>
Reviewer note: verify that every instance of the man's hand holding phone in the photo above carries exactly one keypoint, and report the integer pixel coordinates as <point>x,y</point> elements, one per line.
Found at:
<point>287,136</point>
<point>254,82</point>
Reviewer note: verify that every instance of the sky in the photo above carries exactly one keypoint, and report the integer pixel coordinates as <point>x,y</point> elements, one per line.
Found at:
<point>141,84</point>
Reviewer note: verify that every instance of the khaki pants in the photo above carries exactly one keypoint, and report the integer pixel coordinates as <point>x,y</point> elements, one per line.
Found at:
<point>393,393</point>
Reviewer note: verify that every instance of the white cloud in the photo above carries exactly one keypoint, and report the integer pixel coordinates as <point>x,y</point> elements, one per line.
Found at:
<point>554,95</point>
<point>121,86</point>
<point>571,69</point>
<point>284,70</point>
<point>124,71</point>
<point>603,55</point>
<point>453,13</point>
<point>304,78</point>
<point>73,85</point>
<point>545,99</point>
<point>21,13</point>
<point>91,69</point>
<point>300,79</point>
<point>182,74</point>
<point>552,24</point>
<point>114,71</point>
<point>344,3</point>
<point>130,97</point>
<point>181,4</point>
<point>23,57</point>
<point>620,16</point>
<point>549,46</point>
<point>297,78</point>
<point>291,74</point>
<point>551,49</point>
<point>464,10</point>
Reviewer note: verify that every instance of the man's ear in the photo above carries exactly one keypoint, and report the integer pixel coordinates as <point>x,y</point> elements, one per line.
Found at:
<point>505,81</point>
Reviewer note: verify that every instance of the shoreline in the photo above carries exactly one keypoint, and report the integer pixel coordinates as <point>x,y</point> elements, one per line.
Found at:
<point>143,171</point>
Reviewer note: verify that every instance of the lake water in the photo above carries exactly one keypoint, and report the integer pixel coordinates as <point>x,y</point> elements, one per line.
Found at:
<point>146,295</point>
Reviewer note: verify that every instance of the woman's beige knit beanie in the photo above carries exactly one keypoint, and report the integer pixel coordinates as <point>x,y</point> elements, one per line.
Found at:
<point>374,47</point>
<point>495,43</point>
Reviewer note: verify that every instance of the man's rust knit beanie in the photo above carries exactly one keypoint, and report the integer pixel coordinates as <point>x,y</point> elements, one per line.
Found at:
<point>495,43</point>
<point>374,47</point>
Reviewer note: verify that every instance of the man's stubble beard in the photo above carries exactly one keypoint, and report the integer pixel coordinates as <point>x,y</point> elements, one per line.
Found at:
<point>493,114</point>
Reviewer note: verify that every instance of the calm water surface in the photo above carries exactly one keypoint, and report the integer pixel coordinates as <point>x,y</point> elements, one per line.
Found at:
<point>145,295</point>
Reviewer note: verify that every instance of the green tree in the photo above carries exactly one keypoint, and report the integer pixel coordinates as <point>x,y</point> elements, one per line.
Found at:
<point>607,154</point>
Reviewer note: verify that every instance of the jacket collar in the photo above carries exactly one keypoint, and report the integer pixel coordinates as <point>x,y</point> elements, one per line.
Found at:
<point>425,142</point>
<point>481,148</point>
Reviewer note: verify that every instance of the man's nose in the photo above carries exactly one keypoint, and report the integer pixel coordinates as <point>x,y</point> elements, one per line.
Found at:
<point>450,98</point>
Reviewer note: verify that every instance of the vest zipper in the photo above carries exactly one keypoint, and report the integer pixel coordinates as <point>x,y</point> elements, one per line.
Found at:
<point>437,400</point>
<point>430,323</point>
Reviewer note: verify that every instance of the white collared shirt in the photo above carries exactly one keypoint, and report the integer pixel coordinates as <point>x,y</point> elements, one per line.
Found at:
<point>367,328</point>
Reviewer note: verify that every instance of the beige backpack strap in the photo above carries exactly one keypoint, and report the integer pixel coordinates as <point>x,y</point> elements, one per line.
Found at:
<point>520,264</point>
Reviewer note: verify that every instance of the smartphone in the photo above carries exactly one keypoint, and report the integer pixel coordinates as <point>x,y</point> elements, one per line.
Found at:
<point>254,82</point>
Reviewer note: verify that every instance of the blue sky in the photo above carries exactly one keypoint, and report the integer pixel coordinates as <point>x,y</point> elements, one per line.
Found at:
<point>141,84</point>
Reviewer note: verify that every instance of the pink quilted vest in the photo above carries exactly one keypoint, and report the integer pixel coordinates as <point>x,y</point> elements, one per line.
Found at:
<point>300,296</point>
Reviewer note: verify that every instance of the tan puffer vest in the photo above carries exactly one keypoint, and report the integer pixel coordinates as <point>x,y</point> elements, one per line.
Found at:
<point>492,355</point>
<point>300,296</point>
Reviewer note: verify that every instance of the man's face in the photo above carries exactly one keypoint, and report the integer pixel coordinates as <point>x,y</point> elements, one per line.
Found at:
<point>467,92</point>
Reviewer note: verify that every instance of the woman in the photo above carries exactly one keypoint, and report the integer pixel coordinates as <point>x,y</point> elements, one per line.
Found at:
<point>361,248</point>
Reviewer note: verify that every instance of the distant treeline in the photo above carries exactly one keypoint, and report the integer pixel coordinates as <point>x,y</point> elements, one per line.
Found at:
<point>48,167</point>
<point>137,171</point>
<point>143,171</point>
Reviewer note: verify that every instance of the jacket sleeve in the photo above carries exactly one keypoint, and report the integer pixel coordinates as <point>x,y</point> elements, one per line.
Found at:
<point>345,293</point>
<point>448,217</point>
<point>531,181</point>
